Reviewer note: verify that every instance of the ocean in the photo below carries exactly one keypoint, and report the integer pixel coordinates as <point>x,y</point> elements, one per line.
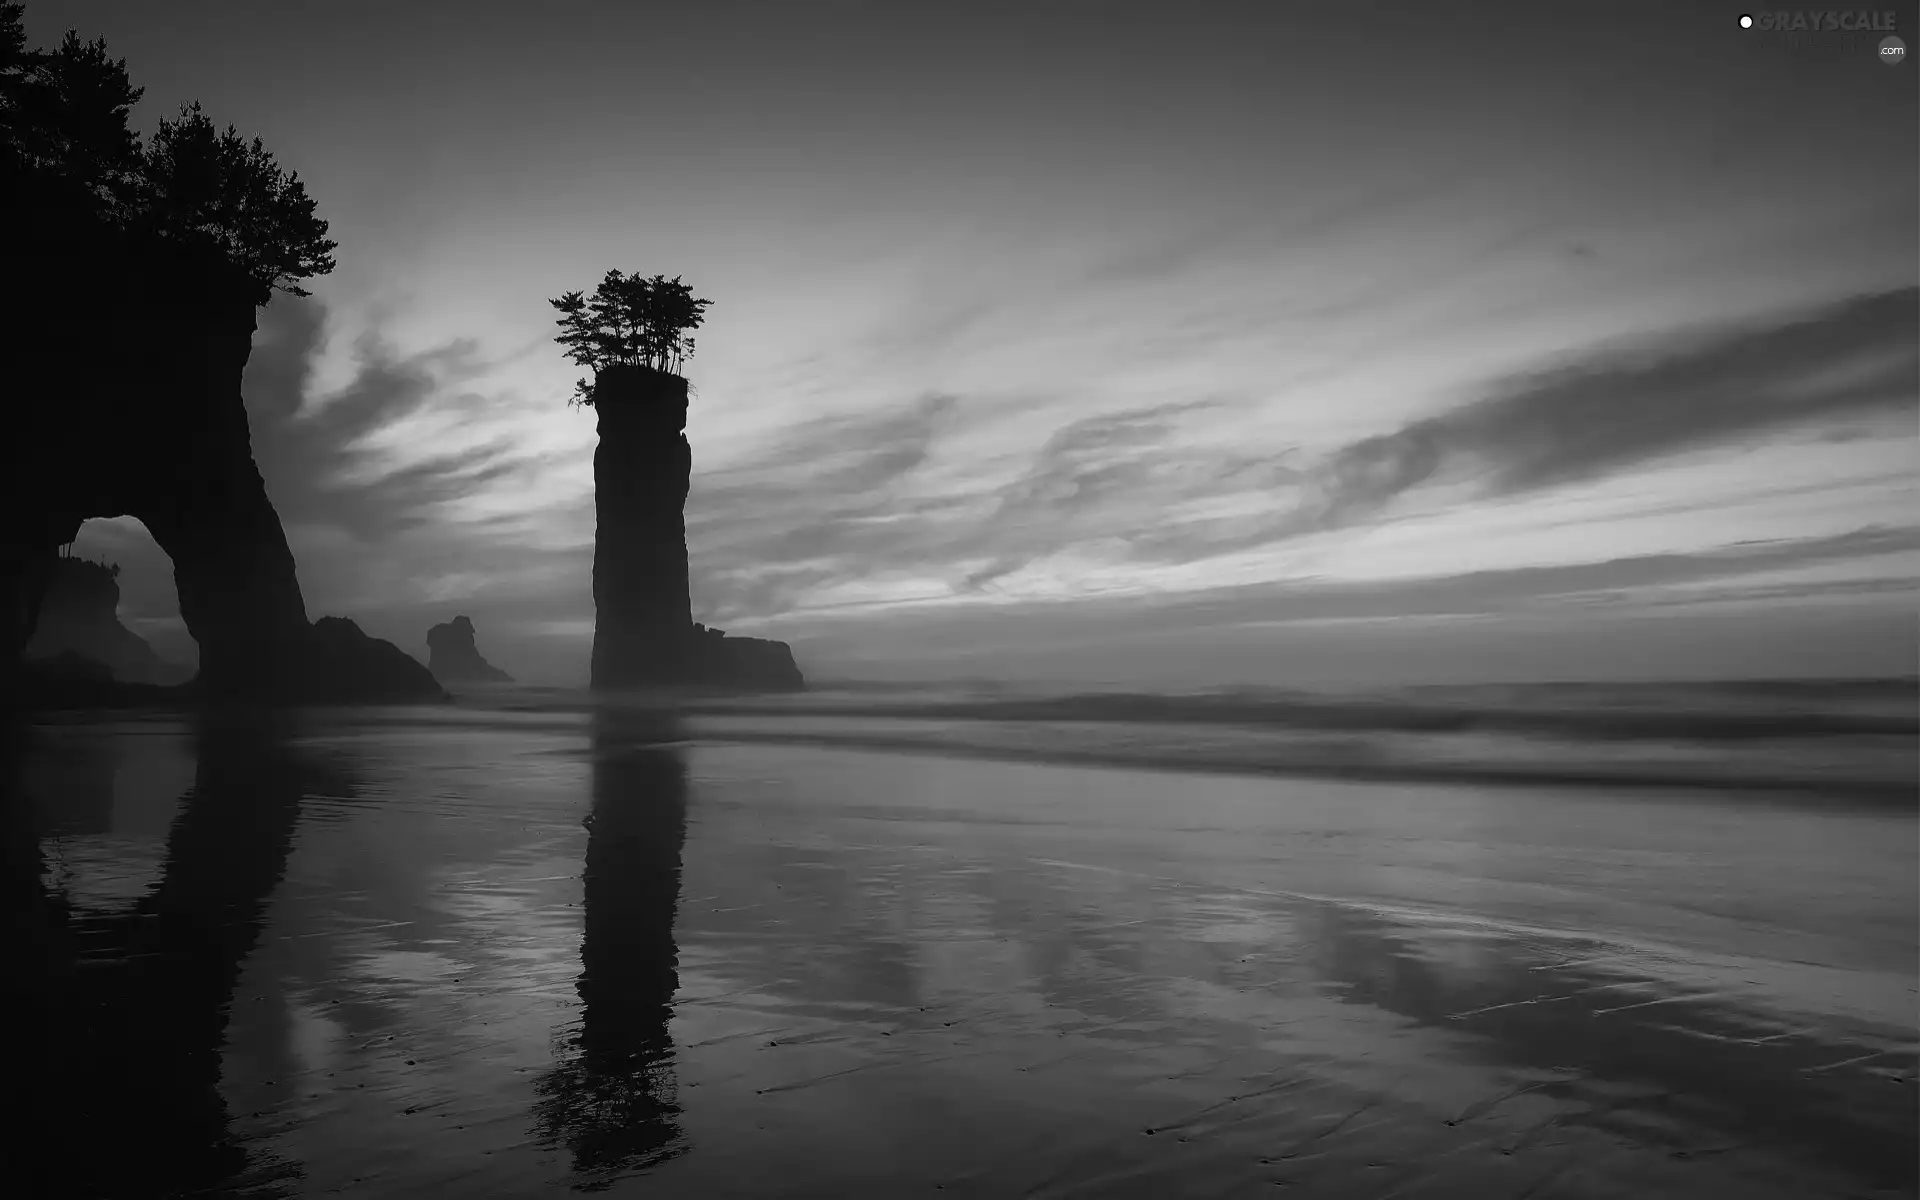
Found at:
<point>1545,940</point>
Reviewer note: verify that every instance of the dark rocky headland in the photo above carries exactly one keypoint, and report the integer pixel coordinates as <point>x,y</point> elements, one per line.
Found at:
<point>137,410</point>
<point>137,265</point>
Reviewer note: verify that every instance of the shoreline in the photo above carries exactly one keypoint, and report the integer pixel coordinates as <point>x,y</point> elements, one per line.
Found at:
<point>1883,795</point>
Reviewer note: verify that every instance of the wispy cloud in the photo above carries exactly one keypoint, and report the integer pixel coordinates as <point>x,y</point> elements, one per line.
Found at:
<point>1881,560</point>
<point>1611,410</point>
<point>1624,407</point>
<point>850,499</point>
<point>1268,224</point>
<point>376,480</point>
<point>824,502</point>
<point>323,455</point>
<point>1111,476</point>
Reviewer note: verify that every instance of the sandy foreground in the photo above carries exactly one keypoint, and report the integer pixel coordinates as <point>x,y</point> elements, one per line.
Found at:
<point>397,957</point>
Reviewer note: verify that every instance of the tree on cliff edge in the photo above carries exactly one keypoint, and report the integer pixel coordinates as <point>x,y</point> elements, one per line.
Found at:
<point>215,191</point>
<point>80,186</point>
<point>629,321</point>
<point>65,147</point>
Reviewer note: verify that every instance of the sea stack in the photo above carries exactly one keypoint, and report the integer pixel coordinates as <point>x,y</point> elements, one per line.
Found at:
<point>644,633</point>
<point>453,657</point>
<point>643,613</point>
<point>634,333</point>
<point>80,615</point>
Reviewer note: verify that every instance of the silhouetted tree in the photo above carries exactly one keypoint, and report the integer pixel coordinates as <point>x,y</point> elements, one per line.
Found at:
<point>64,137</point>
<point>629,321</point>
<point>70,164</point>
<point>216,191</point>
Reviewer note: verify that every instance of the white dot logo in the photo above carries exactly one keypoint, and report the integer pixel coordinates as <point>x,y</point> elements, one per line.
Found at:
<point>1892,51</point>
<point>1746,22</point>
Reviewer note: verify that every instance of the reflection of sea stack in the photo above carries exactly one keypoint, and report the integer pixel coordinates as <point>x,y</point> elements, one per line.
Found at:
<point>453,657</point>
<point>611,1096</point>
<point>643,630</point>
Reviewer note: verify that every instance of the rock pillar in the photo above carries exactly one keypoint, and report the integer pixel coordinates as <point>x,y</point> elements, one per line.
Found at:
<point>643,616</point>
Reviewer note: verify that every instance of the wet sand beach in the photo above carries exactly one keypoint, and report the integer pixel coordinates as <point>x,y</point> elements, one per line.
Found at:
<point>499,954</point>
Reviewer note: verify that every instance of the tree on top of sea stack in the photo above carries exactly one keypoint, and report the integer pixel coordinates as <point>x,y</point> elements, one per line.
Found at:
<point>629,321</point>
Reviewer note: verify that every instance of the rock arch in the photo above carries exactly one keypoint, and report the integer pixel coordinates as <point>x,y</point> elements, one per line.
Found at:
<point>139,412</point>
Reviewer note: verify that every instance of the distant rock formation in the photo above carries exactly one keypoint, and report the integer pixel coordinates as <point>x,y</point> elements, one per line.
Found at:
<point>644,632</point>
<point>137,410</point>
<point>453,657</point>
<point>80,615</point>
<point>744,662</point>
<point>347,666</point>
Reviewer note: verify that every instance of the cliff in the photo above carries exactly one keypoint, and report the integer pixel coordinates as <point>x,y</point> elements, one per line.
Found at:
<point>453,657</point>
<point>80,615</point>
<point>644,634</point>
<point>137,409</point>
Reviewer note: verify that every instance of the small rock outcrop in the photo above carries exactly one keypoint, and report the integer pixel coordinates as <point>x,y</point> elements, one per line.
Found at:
<point>644,633</point>
<point>347,666</point>
<point>80,615</point>
<point>743,662</point>
<point>453,657</point>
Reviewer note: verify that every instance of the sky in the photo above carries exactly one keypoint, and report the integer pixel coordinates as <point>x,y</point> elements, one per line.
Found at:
<point>1217,343</point>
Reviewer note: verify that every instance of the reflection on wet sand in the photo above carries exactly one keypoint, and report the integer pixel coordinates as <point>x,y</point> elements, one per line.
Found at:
<point>1687,1071</point>
<point>512,958</point>
<point>868,955</point>
<point>610,1099</point>
<point>130,1009</point>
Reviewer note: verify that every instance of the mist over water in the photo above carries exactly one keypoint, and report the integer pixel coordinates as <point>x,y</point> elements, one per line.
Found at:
<point>519,944</point>
<point>1851,740</point>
